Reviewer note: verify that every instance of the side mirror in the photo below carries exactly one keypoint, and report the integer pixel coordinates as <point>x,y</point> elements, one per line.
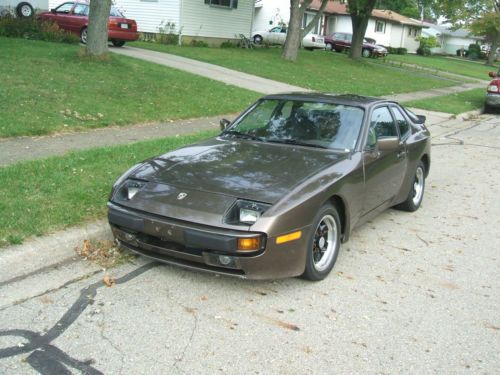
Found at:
<point>224,123</point>
<point>492,74</point>
<point>388,143</point>
<point>53,10</point>
<point>422,118</point>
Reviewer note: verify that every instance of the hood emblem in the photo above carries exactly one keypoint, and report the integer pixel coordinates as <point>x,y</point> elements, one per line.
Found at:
<point>181,196</point>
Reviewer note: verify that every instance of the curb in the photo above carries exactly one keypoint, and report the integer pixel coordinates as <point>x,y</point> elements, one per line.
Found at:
<point>22,260</point>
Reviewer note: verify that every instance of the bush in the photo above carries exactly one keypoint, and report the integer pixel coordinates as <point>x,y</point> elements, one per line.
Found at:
<point>423,51</point>
<point>397,50</point>
<point>426,44</point>
<point>228,44</point>
<point>198,43</point>
<point>31,28</point>
<point>474,51</point>
<point>166,33</point>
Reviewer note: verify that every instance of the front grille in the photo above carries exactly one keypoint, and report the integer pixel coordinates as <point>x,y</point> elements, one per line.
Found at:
<point>159,242</point>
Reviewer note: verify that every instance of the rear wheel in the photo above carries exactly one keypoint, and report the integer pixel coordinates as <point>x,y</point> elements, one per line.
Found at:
<point>83,35</point>
<point>118,43</point>
<point>366,53</point>
<point>328,46</point>
<point>416,194</point>
<point>24,10</point>
<point>324,244</point>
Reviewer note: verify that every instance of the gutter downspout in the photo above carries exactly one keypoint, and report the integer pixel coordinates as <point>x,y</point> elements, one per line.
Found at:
<point>251,21</point>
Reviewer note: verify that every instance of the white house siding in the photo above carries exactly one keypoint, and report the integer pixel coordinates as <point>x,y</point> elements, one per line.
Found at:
<point>452,44</point>
<point>270,14</point>
<point>150,14</point>
<point>343,24</point>
<point>202,20</point>
<point>410,42</point>
<point>383,38</point>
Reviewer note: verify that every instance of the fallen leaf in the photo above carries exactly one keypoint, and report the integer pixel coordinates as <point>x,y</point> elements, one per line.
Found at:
<point>108,281</point>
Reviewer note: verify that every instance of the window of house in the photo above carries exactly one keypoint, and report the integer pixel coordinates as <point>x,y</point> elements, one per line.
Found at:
<point>308,17</point>
<point>223,3</point>
<point>379,27</point>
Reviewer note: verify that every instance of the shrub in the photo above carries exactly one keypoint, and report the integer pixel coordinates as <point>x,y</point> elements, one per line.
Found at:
<point>228,44</point>
<point>474,51</point>
<point>166,33</point>
<point>31,28</point>
<point>426,44</point>
<point>397,50</point>
<point>198,43</point>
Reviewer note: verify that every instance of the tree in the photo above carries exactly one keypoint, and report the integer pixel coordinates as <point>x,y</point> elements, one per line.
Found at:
<point>482,17</point>
<point>97,39</point>
<point>295,34</point>
<point>360,11</point>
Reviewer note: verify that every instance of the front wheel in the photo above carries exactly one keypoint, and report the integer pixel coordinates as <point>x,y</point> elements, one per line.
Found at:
<point>416,194</point>
<point>328,46</point>
<point>324,244</point>
<point>24,10</point>
<point>118,43</point>
<point>83,35</point>
<point>366,53</point>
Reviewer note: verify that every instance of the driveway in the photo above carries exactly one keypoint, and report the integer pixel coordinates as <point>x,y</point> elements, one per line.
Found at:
<point>410,293</point>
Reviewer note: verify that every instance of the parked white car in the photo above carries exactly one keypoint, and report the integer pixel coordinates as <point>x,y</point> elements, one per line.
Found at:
<point>277,35</point>
<point>23,8</point>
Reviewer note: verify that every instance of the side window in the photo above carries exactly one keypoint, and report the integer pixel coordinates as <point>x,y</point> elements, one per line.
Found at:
<point>64,8</point>
<point>283,30</point>
<point>381,125</point>
<point>404,128</point>
<point>81,10</point>
<point>275,30</point>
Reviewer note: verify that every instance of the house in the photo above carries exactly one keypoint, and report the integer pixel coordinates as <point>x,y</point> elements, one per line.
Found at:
<point>388,28</point>
<point>212,21</point>
<point>450,40</point>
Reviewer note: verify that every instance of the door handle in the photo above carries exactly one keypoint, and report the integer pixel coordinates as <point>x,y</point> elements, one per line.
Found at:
<point>401,154</point>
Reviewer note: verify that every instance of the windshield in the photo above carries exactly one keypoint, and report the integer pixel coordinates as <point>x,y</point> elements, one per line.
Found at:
<point>314,124</point>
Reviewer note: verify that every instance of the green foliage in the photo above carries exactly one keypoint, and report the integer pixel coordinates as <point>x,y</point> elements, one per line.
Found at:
<point>397,50</point>
<point>31,28</point>
<point>228,44</point>
<point>474,51</point>
<point>426,44</point>
<point>198,43</point>
<point>166,33</point>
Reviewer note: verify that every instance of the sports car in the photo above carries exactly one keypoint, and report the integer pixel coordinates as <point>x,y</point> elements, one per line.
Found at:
<point>278,190</point>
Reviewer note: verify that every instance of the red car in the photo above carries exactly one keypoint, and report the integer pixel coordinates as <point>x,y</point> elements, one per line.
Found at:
<point>342,41</point>
<point>493,93</point>
<point>73,16</point>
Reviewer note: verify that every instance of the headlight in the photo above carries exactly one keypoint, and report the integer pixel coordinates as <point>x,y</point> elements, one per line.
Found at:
<point>245,212</point>
<point>122,178</point>
<point>129,189</point>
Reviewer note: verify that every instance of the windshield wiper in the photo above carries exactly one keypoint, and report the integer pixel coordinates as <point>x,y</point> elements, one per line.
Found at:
<point>295,142</point>
<point>242,135</point>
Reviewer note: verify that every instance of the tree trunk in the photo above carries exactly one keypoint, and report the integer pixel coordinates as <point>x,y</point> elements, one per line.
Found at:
<point>359,25</point>
<point>292,42</point>
<point>97,39</point>
<point>495,43</point>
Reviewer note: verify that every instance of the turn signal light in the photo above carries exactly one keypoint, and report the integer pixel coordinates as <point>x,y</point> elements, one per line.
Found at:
<point>288,237</point>
<point>252,243</point>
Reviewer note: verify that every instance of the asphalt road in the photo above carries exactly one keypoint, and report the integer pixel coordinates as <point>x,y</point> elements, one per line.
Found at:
<point>410,293</point>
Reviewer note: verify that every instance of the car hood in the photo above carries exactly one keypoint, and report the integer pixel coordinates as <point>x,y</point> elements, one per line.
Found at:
<point>257,171</point>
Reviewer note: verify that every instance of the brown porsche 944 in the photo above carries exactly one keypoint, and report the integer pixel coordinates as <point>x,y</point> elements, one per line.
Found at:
<point>278,190</point>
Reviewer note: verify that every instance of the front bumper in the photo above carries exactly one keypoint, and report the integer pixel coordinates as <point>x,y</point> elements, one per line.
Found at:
<point>201,247</point>
<point>493,100</point>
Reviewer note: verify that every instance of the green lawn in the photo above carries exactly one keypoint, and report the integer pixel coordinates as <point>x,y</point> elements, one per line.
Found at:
<point>446,64</point>
<point>317,70</point>
<point>40,196</point>
<point>456,103</point>
<point>46,88</point>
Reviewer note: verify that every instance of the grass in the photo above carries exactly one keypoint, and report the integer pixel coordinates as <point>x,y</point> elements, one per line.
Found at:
<point>46,88</point>
<point>37,197</point>
<point>456,103</point>
<point>317,70</point>
<point>446,64</point>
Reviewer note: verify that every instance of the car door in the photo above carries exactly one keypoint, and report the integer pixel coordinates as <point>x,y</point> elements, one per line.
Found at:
<point>62,14</point>
<point>281,37</point>
<point>384,170</point>
<point>78,18</point>
<point>273,35</point>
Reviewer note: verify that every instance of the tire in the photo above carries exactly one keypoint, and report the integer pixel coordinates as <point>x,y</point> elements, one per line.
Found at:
<point>329,46</point>
<point>24,10</point>
<point>118,43</point>
<point>323,245</point>
<point>416,194</point>
<point>366,53</point>
<point>83,35</point>
<point>257,39</point>
<point>309,48</point>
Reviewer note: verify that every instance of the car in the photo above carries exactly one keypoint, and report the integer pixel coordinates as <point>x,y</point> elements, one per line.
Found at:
<point>278,190</point>
<point>277,35</point>
<point>22,8</point>
<point>493,93</point>
<point>340,42</point>
<point>73,17</point>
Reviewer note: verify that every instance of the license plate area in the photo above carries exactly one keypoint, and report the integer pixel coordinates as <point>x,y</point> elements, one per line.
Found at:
<point>124,26</point>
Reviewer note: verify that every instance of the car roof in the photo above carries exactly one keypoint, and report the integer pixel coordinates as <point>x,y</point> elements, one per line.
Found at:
<point>345,99</point>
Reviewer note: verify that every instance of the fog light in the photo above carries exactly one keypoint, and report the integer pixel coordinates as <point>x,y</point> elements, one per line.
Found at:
<point>225,260</point>
<point>129,237</point>
<point>252,243</point>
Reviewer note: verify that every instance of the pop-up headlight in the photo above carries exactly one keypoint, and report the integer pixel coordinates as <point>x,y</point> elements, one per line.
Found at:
<point>245,212</point>
<point>129,189</point>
